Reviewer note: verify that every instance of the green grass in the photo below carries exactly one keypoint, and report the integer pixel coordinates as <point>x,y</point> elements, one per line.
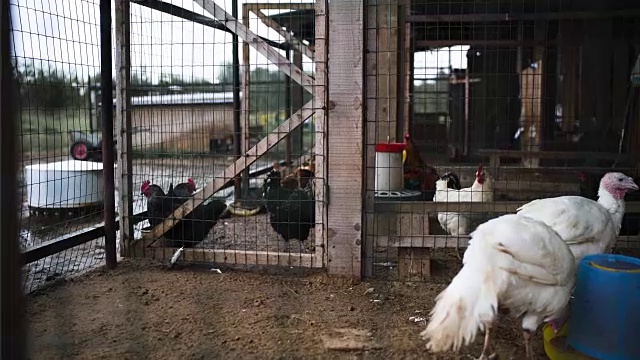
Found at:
<point>48,131</point>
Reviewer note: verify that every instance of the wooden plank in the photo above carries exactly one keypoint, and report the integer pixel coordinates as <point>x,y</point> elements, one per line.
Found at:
<point>345,148</point>
<point>387,71</point>
<point>280,6</point>
<point>566,155</point>
<point>231,171</point>
<point>295,43</point>
<point>414,264</point>
<point>235,257</point>
<point>262,47</point>
<point>371,70</point>
<point>320,120</point>
<point>449,241</point>
<point>123,125</point>
<point>466,207</point>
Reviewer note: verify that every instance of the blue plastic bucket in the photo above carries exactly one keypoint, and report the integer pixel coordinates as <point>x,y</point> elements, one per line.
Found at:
<point>605,311</point>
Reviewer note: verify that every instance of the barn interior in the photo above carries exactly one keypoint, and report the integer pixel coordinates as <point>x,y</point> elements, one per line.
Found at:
<point>546,97</point>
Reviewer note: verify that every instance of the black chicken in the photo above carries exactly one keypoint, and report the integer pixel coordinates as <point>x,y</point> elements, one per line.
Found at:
<point>194,227</point>
<point>453,181</point>
<point>291,208</point>
<point>183,189</point>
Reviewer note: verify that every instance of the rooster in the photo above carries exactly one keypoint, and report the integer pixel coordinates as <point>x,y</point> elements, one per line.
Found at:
<point>457,224</point>
<point>188,231</point>
<point>291,208</point>
<point>183,189</point>
<point>511,261</point>
<point>587,226</point>
<point>417,174</point>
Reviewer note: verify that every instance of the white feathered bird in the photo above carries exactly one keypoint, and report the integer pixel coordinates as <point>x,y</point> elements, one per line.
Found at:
<point>513,261</point>
<point>481,190</point>
<point>587,226</point>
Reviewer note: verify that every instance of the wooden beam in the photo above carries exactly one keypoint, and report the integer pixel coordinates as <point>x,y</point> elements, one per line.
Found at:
<point>235,257</point>
<point>295,43</point>
<point>260,45</point>
<point>345,146</point>
<point>123,124</point>
<point>449,241</point>
<point>320,120</point>
<point>499,207</point>
<point>231,171</point>
<point>280,6</point>
<point>245,106</point>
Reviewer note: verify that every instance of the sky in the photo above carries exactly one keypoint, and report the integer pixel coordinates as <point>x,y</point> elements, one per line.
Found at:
<point>66,34</point>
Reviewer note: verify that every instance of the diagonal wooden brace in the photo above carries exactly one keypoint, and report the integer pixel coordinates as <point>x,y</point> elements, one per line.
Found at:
<point>262,47</point>
<point>232,170</point>
<point>297,44</point>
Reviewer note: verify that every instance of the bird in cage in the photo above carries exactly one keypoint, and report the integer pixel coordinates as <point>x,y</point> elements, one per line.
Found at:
<point>514,262</point>
<point>291,207</point>
<point>418,175</point>
<point>194,227</point>
<point>455,223</point>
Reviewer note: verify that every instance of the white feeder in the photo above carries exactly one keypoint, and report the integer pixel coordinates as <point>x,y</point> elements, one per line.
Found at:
<point>389,168</point>
<point>64,184</point>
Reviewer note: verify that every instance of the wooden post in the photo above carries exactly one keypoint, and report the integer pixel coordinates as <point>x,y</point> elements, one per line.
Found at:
<point>123,124</point>
<point>371,90</point>
<point>319,149</point>
<point>345,138</point>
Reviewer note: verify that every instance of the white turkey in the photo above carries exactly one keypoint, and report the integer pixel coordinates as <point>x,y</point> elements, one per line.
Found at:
<point>587,226</point>
<point>481,190</point>
<point>512,261</point>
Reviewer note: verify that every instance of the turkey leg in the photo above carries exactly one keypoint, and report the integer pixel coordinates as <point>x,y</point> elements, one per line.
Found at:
<point>486,347</point>
<point>527,343</point>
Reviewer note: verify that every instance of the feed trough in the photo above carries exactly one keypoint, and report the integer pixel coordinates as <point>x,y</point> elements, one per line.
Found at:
<point>64,186</point>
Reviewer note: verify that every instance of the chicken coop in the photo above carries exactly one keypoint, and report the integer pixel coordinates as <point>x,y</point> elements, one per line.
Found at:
<point>338,121</point>
<point>543,95</point>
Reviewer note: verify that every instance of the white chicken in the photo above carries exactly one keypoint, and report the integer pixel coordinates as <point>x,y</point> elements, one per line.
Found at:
<point>513,261</point>
<point>587,226</point>
<point>457,224</point>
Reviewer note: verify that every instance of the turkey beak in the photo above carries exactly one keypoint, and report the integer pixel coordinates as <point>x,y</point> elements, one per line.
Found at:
<point>631,185</point>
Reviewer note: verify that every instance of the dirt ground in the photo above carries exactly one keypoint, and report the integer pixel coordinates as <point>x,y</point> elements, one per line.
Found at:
<point>144,311</point>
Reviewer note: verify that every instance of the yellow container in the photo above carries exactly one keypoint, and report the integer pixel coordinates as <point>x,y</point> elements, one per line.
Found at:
<point>557,353</point>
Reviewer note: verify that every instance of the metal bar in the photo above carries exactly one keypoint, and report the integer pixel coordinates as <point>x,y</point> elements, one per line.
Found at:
<point>246,99</point>
<point>468,207</point>
<point>263,48</point>
<point>106,91</point>
<point>237,106</point>
<point>73,239</point>
<point>582,15</point>
<point>182,13</point>
<point>231,171</point>
<point>13,323</point>
<point>123,122</point>
<point>280,6</point>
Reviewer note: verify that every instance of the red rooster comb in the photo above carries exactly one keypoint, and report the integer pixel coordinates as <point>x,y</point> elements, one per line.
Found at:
<point>145,186</point>
<point>191,182</point>
<point>480,168</point>
<point>407,136</point>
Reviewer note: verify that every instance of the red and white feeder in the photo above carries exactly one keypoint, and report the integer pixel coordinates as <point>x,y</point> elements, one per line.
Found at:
<point>389,167</point>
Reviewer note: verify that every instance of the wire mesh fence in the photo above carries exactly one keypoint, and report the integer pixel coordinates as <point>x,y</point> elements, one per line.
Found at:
<point>201,107</point>
<point>501,103</point>
<point>56,61</point>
